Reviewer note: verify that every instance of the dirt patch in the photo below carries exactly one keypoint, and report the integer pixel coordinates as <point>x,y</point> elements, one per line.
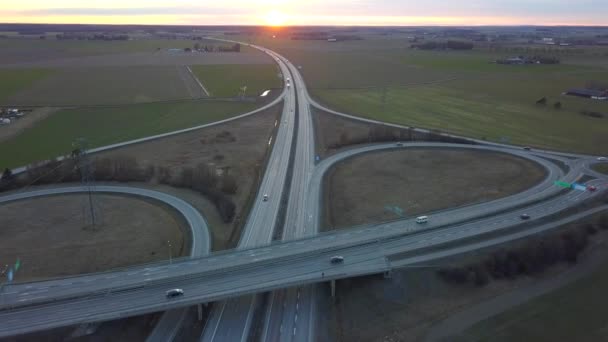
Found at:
<point>238,148</point>
<point>408,305</point>
<point>18,126</point>
<point>383,186</point>
<point>52,236</point>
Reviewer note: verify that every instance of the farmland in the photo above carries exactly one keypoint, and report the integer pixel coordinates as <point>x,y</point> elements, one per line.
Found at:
<point>105,85</point>
<point>226,80</point>
<point>30,50</point>
<point>106,125</point>
<point>74,73</point>
<point>13,81</point>
<point>457,92</point>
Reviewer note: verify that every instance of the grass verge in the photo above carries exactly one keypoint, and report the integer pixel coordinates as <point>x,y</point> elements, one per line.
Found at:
<point>55,135</point>
<point>602,168</point>
<point>227,80</point>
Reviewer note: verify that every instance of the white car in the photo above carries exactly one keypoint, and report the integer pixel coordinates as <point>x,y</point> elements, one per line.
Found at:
<point>422,219</point>
<point>265,199</point>
<point>602,159</point>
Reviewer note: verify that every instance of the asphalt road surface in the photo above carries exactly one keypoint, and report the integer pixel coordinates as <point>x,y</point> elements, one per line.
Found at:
<point>231,320</point>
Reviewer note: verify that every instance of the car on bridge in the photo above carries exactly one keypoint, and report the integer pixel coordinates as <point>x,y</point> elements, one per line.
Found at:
<point>265,198</point>
<point>337,259</point>
<point>174,293</point>
<point>524,217</point>
<point>592,188</point>
<point>602,158</point>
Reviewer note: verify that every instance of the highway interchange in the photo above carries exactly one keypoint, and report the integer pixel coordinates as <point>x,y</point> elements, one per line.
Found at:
<point>260,265</point>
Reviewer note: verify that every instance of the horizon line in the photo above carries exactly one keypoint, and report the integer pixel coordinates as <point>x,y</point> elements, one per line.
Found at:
<point>320,25</point>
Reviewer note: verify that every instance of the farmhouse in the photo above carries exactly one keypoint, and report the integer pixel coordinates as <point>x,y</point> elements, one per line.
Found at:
<point>588,93</point>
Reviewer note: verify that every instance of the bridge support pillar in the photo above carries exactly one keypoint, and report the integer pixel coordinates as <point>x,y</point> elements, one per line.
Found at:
<point>200,312</point>
<point>388,274</point>
<point>333,289</point>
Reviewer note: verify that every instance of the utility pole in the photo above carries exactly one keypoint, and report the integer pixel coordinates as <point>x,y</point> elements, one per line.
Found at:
<point>170,252</point>
<point>86,174</point>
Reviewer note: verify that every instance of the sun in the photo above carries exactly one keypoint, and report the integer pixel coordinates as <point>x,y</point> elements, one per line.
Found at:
<point>275,18</point>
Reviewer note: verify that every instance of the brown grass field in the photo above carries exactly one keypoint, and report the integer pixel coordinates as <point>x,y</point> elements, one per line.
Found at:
<point>52,238</point>
<point>420,181</point>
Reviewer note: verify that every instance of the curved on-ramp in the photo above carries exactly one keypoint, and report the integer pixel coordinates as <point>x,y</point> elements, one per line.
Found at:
<point>170,321</point>
<point>201,241</point>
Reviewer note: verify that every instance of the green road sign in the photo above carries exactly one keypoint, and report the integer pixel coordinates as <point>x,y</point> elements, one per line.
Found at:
<point>17,264</point>
<point>563,184</point>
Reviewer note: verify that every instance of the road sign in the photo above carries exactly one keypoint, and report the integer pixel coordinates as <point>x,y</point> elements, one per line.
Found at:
<point>395,210</point>
<point>17,264</point>
<point>9,275</point>
<point>563,184</point>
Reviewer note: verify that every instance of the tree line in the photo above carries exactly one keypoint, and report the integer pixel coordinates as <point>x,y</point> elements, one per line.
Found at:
<point>449,45</point>
<point>381,133</point>
<point>533,257</point>
<point>200,178</point>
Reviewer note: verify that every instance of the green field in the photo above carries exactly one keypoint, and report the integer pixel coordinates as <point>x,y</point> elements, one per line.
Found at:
<point>602,167</point>
<point>104,85</point>
<point>577,312</point>
<point>226,80</point>
<point>478,109</point>
<point>102,126</point>
<point>460,92</point>
<point>12,81</point>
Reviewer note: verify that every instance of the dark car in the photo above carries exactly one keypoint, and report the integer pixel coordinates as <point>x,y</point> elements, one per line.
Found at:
<point>337,259</point>
<point>591,188</point>
<point>524,216</point>
<point>527,148</point>
<point>175,293</point>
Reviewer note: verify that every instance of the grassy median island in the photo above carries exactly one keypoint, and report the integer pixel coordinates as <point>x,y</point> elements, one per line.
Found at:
<point>227,80</point>
<point>52,238</point>
<point>602,167</point>
<point>101,126</point>
<point>383,186</point>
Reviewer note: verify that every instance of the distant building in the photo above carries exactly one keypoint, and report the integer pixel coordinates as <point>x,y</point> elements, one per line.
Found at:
<point>588,93</point>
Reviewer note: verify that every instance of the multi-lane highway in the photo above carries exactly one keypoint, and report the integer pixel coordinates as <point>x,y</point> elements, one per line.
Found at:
<point>290,315</point>
<point>290,309</point>
<point>231,320</point>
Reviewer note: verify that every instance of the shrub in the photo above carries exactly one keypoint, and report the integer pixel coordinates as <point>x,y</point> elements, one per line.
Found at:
<point>229,184</point>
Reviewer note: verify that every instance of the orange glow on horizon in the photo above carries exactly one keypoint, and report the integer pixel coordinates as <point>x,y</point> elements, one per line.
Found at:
<point>275,18</point>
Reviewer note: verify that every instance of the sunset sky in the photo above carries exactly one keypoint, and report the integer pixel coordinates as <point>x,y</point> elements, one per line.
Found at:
<point>308,12</point>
